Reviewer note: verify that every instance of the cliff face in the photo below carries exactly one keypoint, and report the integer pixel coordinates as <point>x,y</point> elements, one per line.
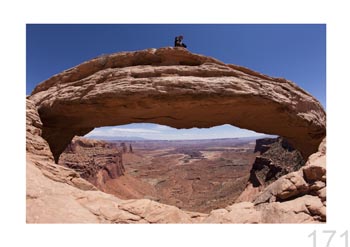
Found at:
<point>174,87</point>
<point>297,197</point>
<point>39,154</point>
<point>95,161</point>
<point>277,158</point>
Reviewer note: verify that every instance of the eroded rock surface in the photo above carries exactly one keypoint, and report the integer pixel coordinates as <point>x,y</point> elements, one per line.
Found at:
<point>276,157</point>
<point>290,199</point>
<point>174,87</point>
<point>95,161</point>
<point>296,185</point>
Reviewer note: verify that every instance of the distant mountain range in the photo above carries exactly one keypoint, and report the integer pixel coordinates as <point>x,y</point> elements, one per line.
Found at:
<point>136,138</point>
<point>117,138</point>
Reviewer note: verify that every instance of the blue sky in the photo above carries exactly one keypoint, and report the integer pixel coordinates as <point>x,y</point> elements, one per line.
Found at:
<point>161,132</point>
<point>296,52</point>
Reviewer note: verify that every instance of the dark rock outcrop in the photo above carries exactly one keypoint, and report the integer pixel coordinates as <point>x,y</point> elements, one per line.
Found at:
<point>277,158</point>
<point>264,144</point>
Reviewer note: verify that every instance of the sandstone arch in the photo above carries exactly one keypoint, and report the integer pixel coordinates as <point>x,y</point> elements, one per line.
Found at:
<point>174,87</point>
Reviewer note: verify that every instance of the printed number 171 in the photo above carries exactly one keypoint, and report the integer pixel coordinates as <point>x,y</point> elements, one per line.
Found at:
<point>331,234</point>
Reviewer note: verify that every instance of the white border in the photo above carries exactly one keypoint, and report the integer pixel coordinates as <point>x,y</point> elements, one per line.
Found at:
<point>15,14</point>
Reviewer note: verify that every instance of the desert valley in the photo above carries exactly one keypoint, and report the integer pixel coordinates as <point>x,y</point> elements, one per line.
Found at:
<point>194,175</point>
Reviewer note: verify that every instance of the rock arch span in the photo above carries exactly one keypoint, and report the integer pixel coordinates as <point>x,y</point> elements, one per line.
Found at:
<point>174,87</point>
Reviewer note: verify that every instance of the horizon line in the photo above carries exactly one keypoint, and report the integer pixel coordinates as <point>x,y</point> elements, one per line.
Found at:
<point>202,139</point>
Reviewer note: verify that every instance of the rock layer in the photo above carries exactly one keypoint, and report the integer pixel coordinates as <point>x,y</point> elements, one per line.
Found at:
<point>174,87</point>
<point>95,161</point>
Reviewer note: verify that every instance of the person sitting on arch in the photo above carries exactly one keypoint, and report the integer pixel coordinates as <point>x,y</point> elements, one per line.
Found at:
<point>178,42</point>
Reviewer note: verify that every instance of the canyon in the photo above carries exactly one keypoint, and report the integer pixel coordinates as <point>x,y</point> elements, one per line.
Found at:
<point>194,175</point>
<point>174,87</point>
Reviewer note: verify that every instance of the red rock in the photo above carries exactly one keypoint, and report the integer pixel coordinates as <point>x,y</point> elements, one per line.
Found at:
<point>315,167</point>
<point>95,161</point>
<point>174,87</point>
<point>287,186</point>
